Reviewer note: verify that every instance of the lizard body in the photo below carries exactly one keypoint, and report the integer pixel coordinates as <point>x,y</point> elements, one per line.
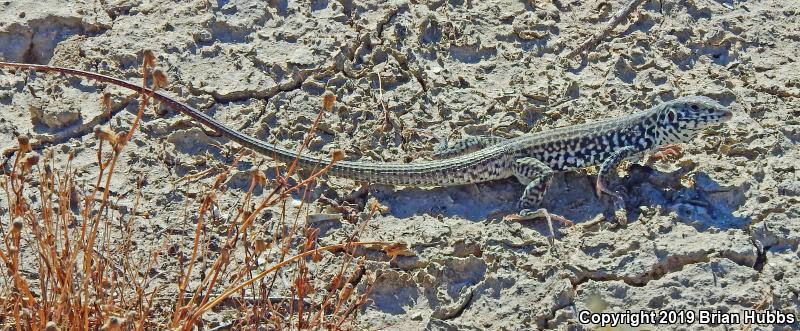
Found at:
<point>531,158</point>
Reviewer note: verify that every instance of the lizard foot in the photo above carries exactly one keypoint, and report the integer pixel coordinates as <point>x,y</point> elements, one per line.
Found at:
<point>529,214</point>
<point>601,188</point>
<point>666,152</point>
<point>618,198</point>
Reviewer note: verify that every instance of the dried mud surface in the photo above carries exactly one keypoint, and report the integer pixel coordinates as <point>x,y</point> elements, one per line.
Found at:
<point>718,229</point>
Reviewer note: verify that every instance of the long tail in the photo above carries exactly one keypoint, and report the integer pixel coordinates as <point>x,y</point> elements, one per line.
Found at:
<point>454,171</point>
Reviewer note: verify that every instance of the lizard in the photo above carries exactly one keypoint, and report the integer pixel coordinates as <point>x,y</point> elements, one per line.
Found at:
<point>532,158</point>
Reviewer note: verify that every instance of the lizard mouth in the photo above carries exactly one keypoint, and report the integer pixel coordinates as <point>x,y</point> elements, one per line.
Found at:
<point>726,115</point>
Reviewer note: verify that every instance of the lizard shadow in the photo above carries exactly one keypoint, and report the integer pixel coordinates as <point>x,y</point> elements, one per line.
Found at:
<point>570,195</point>
<point>706,204</point>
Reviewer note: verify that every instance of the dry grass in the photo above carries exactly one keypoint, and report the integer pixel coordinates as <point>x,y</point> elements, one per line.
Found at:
<point>62,272</point>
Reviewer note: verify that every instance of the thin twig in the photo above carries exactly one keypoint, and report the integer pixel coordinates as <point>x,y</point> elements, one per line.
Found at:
<point>591,42</point>
<point>386,121</point>
<point>233,289</point>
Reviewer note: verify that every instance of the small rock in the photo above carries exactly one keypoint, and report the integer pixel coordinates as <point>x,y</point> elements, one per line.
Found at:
<point>54,118</point>
<point>789,188</point>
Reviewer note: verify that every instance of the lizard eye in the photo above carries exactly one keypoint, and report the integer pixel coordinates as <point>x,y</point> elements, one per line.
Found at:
<point>694,107</point>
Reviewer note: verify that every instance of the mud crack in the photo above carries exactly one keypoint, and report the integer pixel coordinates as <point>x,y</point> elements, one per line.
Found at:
<point>457,308</point>
<point>657,271</point>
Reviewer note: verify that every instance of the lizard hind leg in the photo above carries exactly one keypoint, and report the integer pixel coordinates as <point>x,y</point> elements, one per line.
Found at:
<point>537,176</point>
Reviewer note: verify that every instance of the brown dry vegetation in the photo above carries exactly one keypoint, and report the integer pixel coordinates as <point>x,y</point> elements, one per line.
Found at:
<point>76,279</point>
<point>184,238</point>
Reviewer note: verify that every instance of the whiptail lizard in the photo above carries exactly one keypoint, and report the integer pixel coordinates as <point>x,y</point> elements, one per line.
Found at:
<point>531,158</point>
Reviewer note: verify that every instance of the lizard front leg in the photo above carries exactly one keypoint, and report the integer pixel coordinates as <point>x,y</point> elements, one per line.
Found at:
<point>603,177</point>
<point>666,152</point>
<point>537,177</point>
<point>607,168</point>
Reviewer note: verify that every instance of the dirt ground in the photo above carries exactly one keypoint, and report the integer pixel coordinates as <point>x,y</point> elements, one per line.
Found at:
<point>719,232</point>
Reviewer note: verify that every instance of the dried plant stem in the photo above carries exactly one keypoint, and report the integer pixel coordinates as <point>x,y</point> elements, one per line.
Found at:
<point>275,267</point>
<point>309,135</point>
<point>599,35</point>
<point>148,60</point>
<point>88,278</point>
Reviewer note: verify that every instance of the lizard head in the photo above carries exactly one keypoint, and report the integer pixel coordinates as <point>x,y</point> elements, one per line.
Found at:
<point>681,119</point>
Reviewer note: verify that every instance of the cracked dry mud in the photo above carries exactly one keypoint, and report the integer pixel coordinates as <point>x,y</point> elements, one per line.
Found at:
<point>717,229</point>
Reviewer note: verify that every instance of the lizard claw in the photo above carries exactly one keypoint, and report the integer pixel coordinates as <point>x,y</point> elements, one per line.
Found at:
<point>601,188</point>
<point>666,152</point>
<point>619,200</point>
<point>527,214</point>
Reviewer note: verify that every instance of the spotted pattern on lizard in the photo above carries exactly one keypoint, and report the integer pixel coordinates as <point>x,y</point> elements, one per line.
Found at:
<point>531,158</point>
